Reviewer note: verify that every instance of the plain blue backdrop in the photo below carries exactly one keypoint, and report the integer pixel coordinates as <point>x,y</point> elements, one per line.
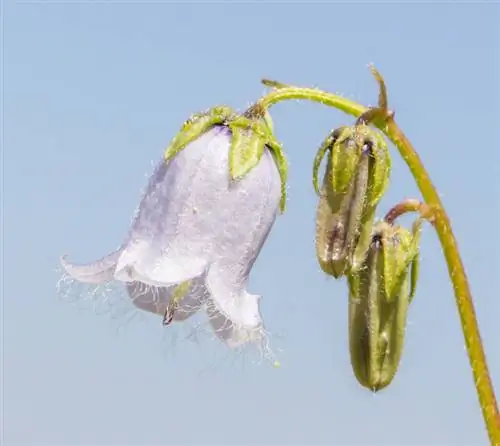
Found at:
<point>93,93</point>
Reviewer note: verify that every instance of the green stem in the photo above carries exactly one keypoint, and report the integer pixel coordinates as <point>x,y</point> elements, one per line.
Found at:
<point>409,205</point>
<point>464,301</point>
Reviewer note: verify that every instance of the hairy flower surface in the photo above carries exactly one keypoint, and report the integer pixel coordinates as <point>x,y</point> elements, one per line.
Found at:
<point>195,237</point>
<point>355,179</point>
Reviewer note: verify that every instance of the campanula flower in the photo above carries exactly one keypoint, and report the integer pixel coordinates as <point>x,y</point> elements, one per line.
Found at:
<point>204,217</point>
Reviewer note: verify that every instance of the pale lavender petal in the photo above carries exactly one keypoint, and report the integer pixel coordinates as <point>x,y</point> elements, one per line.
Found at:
<point>247,215</point>
<point>156,299</point>
<point>194,223</point>
<point>173,237</point>
<point>248,329</point>
<point>100,271</point>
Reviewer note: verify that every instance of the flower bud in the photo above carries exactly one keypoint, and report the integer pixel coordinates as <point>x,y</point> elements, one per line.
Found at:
<point>355,179</point>
<point>379,295</point>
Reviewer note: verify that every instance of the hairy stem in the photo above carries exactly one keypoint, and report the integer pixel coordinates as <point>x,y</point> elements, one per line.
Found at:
<point>458,277</point>
<point>409,205</point>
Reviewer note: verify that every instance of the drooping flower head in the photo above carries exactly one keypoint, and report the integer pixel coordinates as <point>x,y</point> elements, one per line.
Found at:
<point>204,217</point>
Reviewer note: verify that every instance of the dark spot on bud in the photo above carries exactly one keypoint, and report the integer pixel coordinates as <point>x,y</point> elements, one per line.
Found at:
<point>377,241</point>
<point>336,133</point>
<point>368,147</point>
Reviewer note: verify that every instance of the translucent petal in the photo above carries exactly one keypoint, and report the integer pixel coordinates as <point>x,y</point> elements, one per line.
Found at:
<point>232,331</point>
<point>100,271</point>
<point>194,223</point>
<point>248,215</point>
<point>156,299</point>
<point>173,237</point>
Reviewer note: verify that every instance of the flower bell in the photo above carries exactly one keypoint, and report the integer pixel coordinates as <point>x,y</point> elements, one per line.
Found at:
<point>204,217</point>
<point>356,177</point>
<point>379,295</point>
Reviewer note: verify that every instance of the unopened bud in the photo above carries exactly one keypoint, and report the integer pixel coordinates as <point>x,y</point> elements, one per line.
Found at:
<point>379,295</point>
<point>355,179</point>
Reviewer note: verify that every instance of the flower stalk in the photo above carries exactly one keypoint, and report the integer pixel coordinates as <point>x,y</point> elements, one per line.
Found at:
<point>383,118</point>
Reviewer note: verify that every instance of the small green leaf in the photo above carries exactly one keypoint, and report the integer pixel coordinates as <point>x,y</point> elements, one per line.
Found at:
<point>345,155</point>
<point>280,160</point>
<point>194,127</point>
<point>327,144</point>
<point>364,239</point>
<point>398,253</point>
<point>414,273</point>
<point>381,168</point>
<point>246,151</point>
<point>178,294</point>
<point>356,207</point>
<point>269,122</point>
<point>390,251</point>
<point>414,256</point>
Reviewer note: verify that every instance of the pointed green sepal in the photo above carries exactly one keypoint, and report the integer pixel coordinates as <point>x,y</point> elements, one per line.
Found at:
<point>250,135</point>
<point>280,160</point>
<point>326,146</point>
<point>246,151</point>
<point>345,156</point>
<point>414,256</point>
<point>381,168</point>
<point>196,126</point>
<point>395,249</point>
<point>250,138</point>
<point>268,121</point>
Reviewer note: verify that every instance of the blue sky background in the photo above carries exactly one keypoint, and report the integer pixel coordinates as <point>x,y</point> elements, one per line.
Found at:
<point>94,91</point>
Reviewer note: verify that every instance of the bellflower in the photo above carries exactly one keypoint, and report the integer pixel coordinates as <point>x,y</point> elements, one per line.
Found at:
<point>204,217</point>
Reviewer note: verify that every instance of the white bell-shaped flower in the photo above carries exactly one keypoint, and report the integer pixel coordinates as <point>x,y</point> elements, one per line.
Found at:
<point>199,230</point>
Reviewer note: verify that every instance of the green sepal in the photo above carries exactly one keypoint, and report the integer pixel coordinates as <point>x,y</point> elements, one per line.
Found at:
<point>345,155</point>
<point>250,137</point>
<point>326,146</point>
<point>381,168</point>
<point>414,256</point>
<point>269,122</point>
<point>280,160</point>
<point>196,126</point>
<point>253,136</point>
<point>397,243</point>
<point>246,151</point>
<point>364,239</point>
<point>178,294</point>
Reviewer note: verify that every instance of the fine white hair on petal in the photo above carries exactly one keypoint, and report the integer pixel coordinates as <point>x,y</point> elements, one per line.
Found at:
<point>157,299</point>
<point>169,242</point>
<point>98,272</point>
<point>195,224</point>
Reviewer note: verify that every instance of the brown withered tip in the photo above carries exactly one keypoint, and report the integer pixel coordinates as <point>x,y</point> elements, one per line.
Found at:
<point>168,316</point>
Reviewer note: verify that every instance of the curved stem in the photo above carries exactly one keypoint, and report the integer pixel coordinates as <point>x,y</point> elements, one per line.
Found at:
<point>410,205</point>
<point>463,297</point>
<point>470,327</point>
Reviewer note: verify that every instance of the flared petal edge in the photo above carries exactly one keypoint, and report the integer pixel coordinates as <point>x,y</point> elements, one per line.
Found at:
<point>98,272</point>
